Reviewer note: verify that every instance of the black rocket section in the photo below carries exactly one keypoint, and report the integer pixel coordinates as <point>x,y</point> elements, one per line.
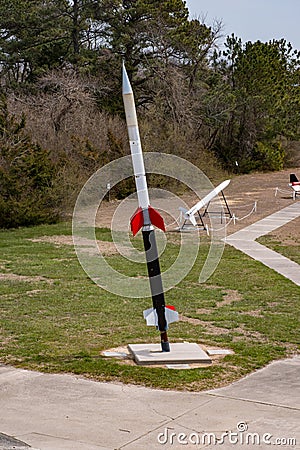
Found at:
<point>156,286</point>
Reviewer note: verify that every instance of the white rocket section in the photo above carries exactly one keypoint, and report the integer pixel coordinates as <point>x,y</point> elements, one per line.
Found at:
<point>150,315</point>
<point>191,212</point>
<point>135,142</point>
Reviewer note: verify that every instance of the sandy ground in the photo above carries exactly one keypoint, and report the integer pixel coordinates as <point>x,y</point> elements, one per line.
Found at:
<point>241,195</point>
<point>249,198</point>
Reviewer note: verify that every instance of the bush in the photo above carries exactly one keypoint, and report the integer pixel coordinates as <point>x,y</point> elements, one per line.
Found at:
<point>266,156</point>
<point>27,196</point>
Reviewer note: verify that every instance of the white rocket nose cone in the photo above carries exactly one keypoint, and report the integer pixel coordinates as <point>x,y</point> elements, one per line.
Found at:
<point>126,86</point>
<point>224,185</point>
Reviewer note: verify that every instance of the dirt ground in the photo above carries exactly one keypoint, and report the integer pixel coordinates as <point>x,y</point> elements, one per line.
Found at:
<point>270,191</point>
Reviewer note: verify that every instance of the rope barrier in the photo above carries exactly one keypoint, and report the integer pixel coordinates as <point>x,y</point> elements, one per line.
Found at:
<point>234,218</point>
<point>243,206</point>
<point>254,209</point>
<point>225,226</point>
<point>283,191</point>
<point>178,220</point>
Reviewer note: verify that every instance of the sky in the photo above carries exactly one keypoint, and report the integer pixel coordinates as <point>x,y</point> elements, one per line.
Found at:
<point>252,20</point>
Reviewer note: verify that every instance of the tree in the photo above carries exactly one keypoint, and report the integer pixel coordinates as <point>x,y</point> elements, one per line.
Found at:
<point>263,79</point>
<point>39,35</point>
<point>157,42</point>
<point>141,32</point>
<point>31,39</point>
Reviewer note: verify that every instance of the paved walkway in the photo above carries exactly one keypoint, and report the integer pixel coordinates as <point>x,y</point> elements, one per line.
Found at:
<point>244,240</point>
<point>64,412</point>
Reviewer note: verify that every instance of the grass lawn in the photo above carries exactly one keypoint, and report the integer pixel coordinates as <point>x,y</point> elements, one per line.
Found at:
<point>53,318</point>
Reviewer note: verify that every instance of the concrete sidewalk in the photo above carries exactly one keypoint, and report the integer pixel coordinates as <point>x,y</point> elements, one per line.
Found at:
<point>244,240</point>
<point>64,412</point>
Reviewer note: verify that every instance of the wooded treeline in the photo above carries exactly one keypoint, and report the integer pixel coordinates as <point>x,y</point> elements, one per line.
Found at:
<point>61,111</point>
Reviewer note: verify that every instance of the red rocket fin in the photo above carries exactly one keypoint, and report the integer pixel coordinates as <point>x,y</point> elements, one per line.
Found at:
<point>171,307</point>
<point>137,221</point>
<point>156,219</point>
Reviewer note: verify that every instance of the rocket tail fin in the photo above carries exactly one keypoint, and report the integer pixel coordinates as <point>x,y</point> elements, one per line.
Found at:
<point>193,219</point>
<point>171,315</point>
<point>156,219</point>
<point>137,221</point>
<point>293,178</point>
<point>186,216</point>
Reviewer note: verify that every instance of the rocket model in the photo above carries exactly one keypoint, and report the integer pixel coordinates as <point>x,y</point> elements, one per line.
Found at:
<point>190,214</point>
<point>295,185</point>
<point>145,217</point>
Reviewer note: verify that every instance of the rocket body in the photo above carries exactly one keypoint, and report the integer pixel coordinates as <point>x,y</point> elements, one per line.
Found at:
<point>190,214</point>
<point>135,143</point>
<point>145,217</point>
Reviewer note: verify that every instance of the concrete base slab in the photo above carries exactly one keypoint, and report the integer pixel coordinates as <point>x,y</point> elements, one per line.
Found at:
<point>219,351</point>
<point>181,353</point>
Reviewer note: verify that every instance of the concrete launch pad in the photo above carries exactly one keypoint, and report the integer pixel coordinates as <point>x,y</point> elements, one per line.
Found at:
<point>181,353</point>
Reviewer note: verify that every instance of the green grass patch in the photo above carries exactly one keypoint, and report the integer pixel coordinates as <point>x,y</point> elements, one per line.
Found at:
<point>54,318</point>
